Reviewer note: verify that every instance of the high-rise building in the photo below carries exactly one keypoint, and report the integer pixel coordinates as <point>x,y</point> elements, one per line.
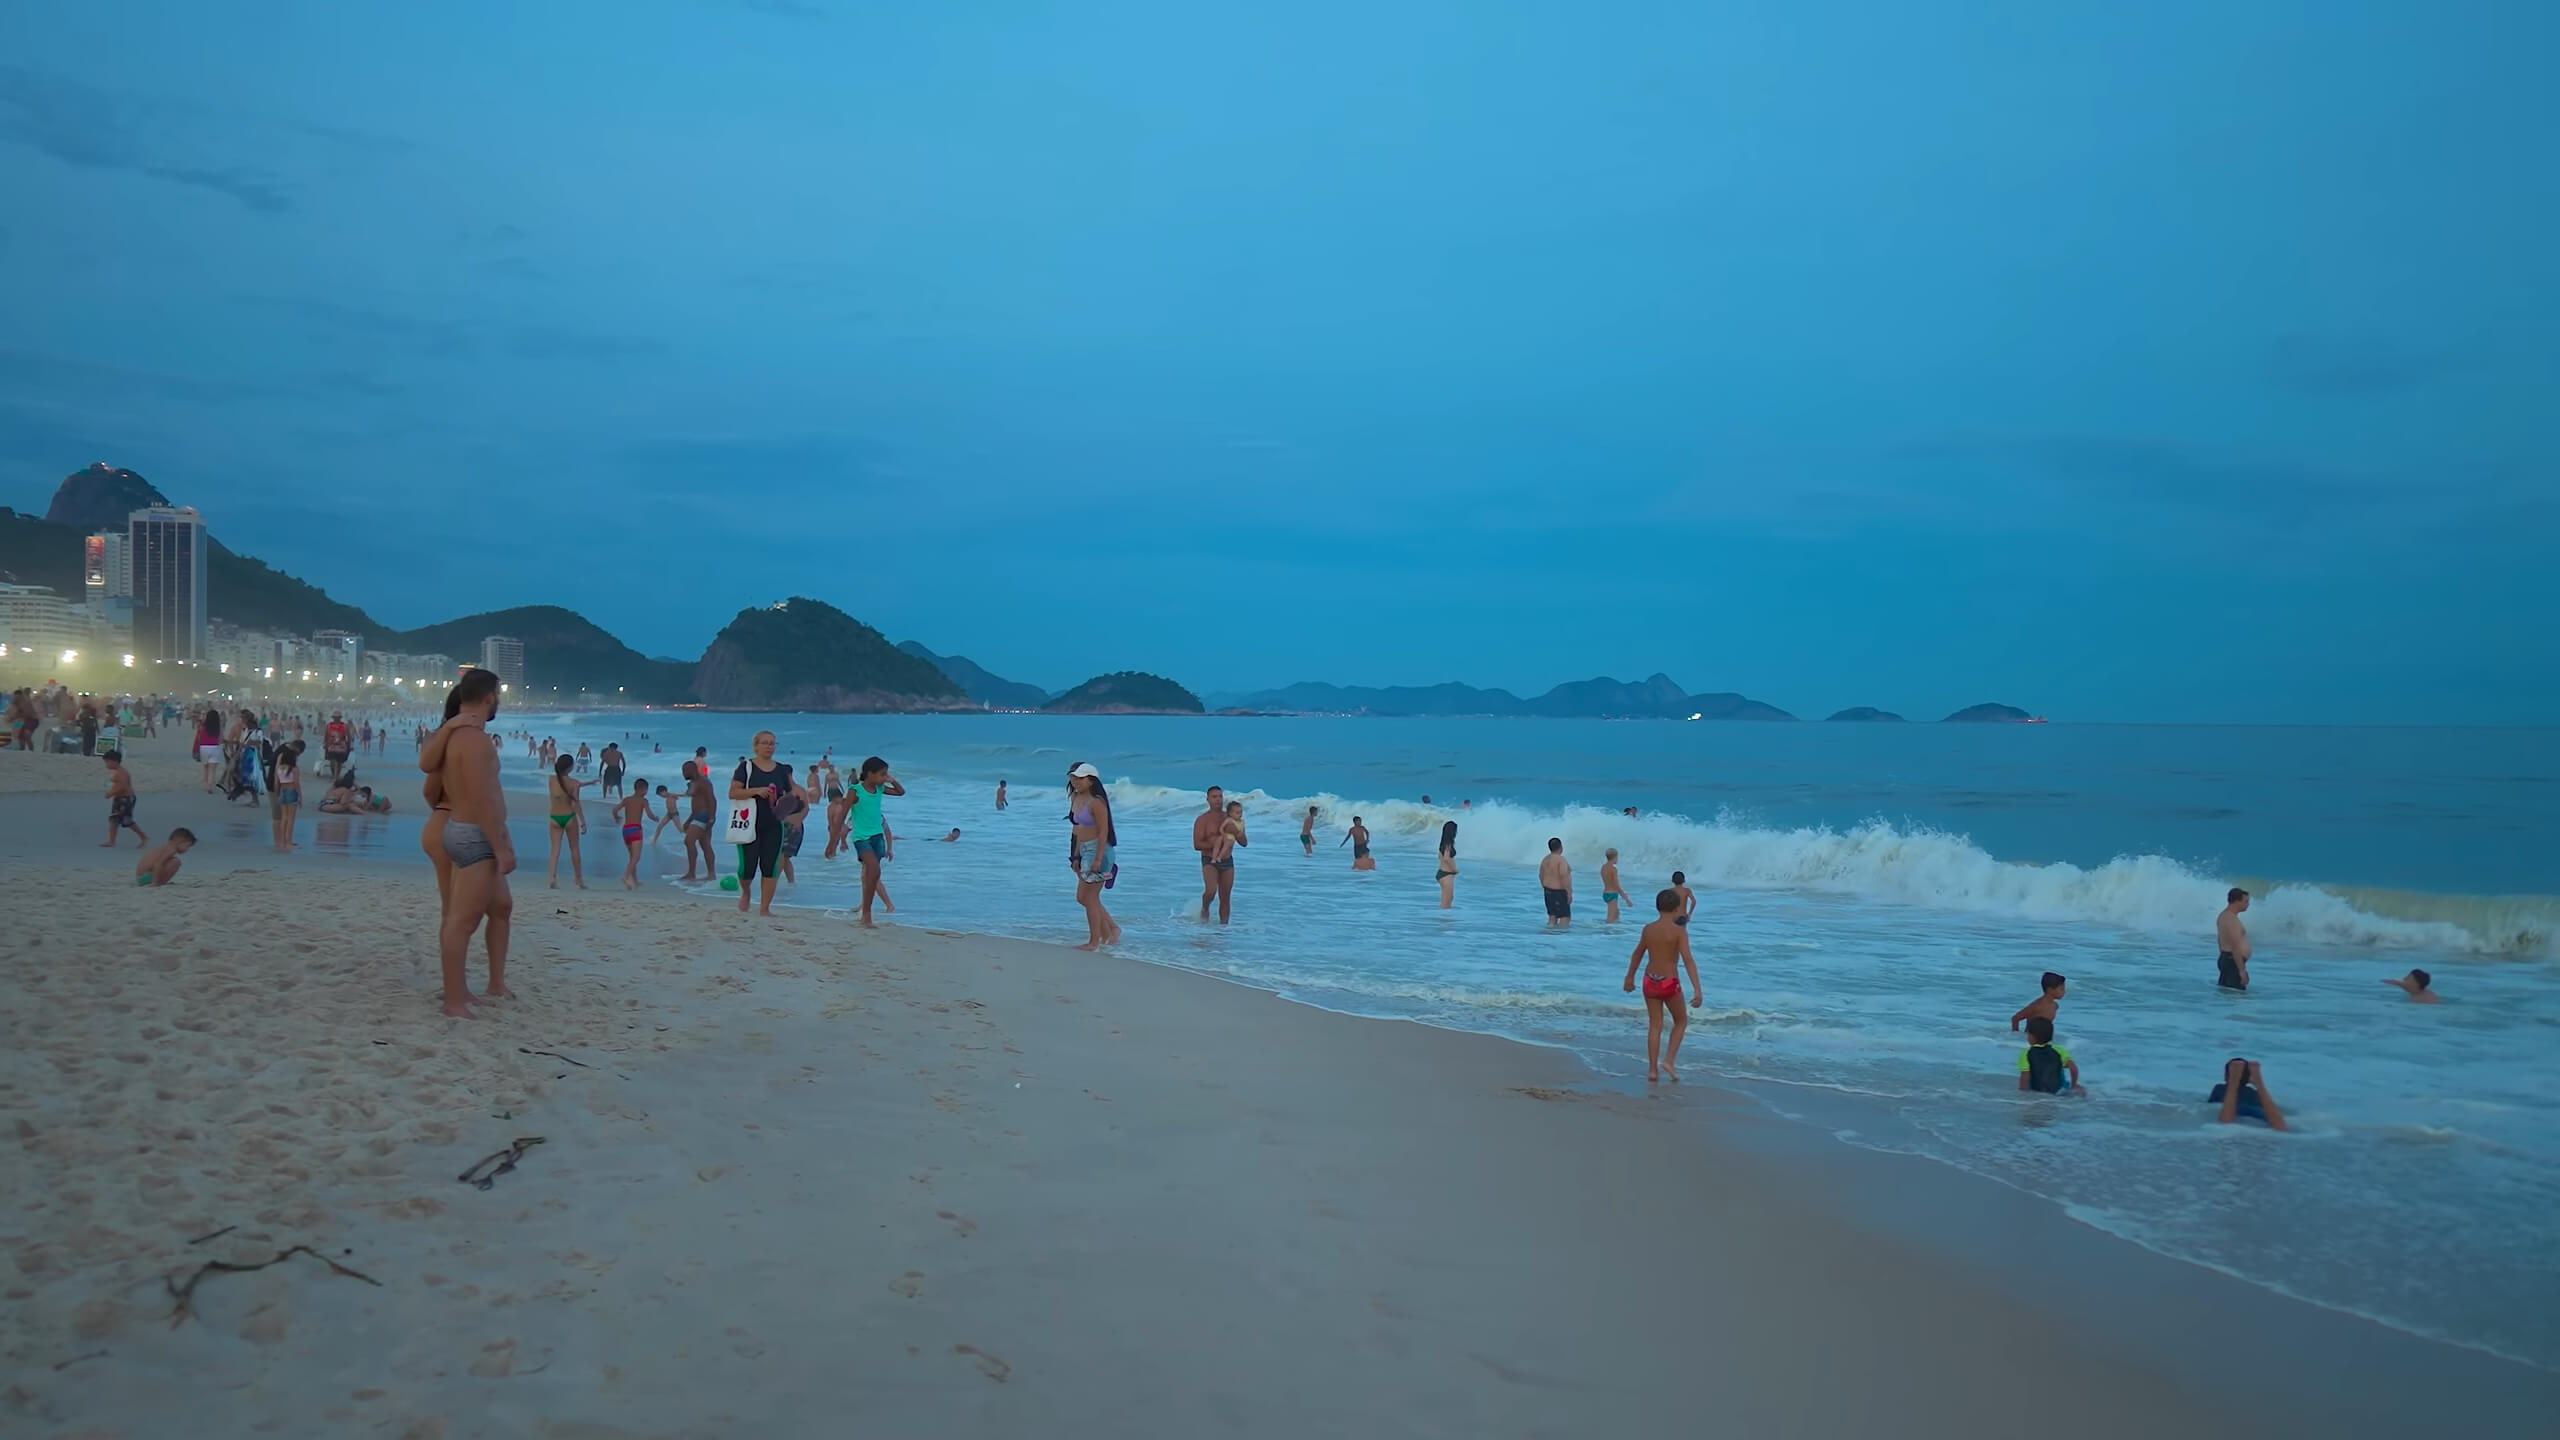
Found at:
<point>503,656</point>
<point>109,568</point>
<point>108,572</point>
<point>165,552</point>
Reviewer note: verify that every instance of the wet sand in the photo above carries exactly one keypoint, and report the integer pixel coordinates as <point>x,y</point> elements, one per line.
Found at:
<point>796,1181</point>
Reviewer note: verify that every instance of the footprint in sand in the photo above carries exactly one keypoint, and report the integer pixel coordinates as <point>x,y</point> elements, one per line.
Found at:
<point>993,1366</point>
<point>961,1225</point>
<point>910,1284</point>
<point>497,1359</point>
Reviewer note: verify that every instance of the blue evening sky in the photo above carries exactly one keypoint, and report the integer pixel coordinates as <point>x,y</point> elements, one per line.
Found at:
<point>2167,361</point>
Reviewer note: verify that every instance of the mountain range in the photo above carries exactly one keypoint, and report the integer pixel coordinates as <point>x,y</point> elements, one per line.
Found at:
<point>798,654</point>
<point>1656,698</point>
<point>979,683</point>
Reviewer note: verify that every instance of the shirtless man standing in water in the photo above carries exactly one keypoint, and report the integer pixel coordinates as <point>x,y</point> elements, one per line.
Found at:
<point>1555,877</point>
<point>475,841</point>
<point>2231,967</point>
<point>1217,862</point>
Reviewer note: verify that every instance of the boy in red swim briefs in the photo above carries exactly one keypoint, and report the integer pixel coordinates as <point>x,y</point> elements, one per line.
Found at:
<point>635,810</point>
<point>1662,949</point>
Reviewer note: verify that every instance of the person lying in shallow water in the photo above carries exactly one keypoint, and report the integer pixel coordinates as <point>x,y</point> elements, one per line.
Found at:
<point>2242,1093</point>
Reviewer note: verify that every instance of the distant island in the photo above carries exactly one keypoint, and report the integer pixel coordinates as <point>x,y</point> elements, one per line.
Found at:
<point>806,654</point>
<point>1657,698</point>
<point>1865,712</point>
<point>1126,692</point>
<point>1990,714</point>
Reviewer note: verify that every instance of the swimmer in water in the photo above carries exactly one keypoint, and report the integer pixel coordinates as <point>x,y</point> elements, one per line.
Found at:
<point>1307,831</point>
<point>1688,897</point>
<point>1357,837</point>
<point>1610,895</point>
<point>2044,1006</point>
<point>1662,948</point>
<point>2420,987</point>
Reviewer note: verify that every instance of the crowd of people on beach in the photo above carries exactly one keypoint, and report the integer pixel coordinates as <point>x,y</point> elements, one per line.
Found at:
<point>763,811</point>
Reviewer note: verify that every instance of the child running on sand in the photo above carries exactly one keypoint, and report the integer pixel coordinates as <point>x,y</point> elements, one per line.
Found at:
<point>1662,948</point>
<point>159,864</point>
<point>635,811</point>
<point>2045,1067</point>
<point>668,816</point>
<point>1610,894</point>
<point>120,802</point>
<point>2044,1007</point>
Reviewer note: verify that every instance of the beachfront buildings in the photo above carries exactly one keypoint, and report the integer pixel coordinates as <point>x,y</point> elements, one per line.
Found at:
<point>241,656</point>
<point>503,656</point>
<point>391,667</point>
<point>36,623</point>
<point>165,553</point>
<point>341,650</point>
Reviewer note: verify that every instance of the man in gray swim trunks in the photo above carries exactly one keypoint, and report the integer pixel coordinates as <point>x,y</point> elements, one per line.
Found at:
<point>475,840</point>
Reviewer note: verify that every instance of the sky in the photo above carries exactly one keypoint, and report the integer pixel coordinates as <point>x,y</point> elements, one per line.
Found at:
<point>2183,362</point>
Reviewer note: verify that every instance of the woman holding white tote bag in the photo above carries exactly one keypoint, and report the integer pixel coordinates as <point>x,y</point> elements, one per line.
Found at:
<point>753,787</point>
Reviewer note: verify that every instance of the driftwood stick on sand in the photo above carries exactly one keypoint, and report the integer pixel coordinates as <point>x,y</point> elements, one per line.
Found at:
<point>556,1055</point>
<point>480,1177</point>
<point>185,1294</point>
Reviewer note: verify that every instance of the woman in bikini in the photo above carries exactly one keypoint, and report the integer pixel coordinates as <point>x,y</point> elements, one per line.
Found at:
<point>1448,872</point>
<point>431,757</point>
<point>1094,840</point>
<point>568,820</point>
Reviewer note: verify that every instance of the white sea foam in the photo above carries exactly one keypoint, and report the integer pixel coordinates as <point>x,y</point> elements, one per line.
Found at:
<point>1879,861</point>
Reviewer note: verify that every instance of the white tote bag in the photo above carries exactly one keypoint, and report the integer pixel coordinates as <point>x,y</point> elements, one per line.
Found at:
<point>742,819</point>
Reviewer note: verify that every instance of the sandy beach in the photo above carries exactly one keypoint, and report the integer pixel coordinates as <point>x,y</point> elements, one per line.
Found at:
<point>795,1181</point>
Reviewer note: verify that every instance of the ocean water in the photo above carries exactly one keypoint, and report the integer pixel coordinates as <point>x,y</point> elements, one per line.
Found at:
<point>1875,902</point>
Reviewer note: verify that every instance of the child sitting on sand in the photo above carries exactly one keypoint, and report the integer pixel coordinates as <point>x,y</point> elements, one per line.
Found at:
<point>1662,949</point>
<point>2045,1067</point>
<point>2046,1006</point>
<point>159,864</point>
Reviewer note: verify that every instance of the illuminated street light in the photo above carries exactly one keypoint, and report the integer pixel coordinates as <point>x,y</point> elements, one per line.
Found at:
<point>70,655</point>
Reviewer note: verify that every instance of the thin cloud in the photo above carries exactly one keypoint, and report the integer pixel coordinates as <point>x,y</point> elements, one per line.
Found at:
<point>2357,366</point>
<point>780,9</point>
<point>83,126</point>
